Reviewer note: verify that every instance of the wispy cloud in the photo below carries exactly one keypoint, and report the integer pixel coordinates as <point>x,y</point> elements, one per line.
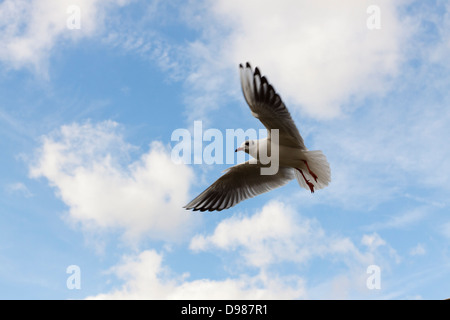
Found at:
<point>402,220</point>
<point>445,230</point>
<point>31,29</point>
<point>418,250</point>
<point>19,188</point>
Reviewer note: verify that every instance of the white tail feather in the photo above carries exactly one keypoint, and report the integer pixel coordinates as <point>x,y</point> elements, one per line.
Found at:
<point>319,165</point>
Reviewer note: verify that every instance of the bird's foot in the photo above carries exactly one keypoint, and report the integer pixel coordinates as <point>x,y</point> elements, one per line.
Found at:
<point>310,185</point>
<point>310,172</point>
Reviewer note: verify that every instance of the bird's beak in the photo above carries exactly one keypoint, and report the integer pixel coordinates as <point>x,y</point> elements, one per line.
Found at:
<point>239,149</point>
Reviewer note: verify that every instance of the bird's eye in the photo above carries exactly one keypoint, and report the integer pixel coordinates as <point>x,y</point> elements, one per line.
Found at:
<point>246,143</point>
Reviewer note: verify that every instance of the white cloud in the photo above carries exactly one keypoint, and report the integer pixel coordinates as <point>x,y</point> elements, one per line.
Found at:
<point>278,234</point>
<point>318,55</point>
<point>90,168</point>
<point>145,277</point>
<point>273,236</point>
<point>31,29</point>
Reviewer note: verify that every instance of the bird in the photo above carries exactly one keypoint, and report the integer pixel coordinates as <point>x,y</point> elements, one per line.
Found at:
<point>245,180</point>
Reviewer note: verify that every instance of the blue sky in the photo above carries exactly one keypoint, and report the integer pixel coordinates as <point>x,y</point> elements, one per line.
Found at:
<point>87,114</point>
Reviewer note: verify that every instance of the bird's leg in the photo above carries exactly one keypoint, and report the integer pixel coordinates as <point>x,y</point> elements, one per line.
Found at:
<point>310,172</point>
<point>310,185</point>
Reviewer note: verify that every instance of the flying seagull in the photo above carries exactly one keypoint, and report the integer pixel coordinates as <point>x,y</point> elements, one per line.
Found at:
<point>244,181</point>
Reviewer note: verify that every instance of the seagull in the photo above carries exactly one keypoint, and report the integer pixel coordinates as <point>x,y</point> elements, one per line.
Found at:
<point>244,180</point>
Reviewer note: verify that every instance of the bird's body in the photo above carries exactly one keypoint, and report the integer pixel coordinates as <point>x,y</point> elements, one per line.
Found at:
<point>292,157</point>
<point>283,144</point>
<point>288,156</point>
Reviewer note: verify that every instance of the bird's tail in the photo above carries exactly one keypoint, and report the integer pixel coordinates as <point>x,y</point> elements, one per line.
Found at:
<point>318,165</point>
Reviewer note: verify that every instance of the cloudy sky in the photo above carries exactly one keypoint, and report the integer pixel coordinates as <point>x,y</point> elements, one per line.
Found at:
<point>91,92</point>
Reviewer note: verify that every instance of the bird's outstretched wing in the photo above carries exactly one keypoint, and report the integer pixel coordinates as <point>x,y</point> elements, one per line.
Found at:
<point>267,106</point>
<point>240,182</point>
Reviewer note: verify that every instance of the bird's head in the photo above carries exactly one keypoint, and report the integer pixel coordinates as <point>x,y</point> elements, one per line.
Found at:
<point>248,146</point>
